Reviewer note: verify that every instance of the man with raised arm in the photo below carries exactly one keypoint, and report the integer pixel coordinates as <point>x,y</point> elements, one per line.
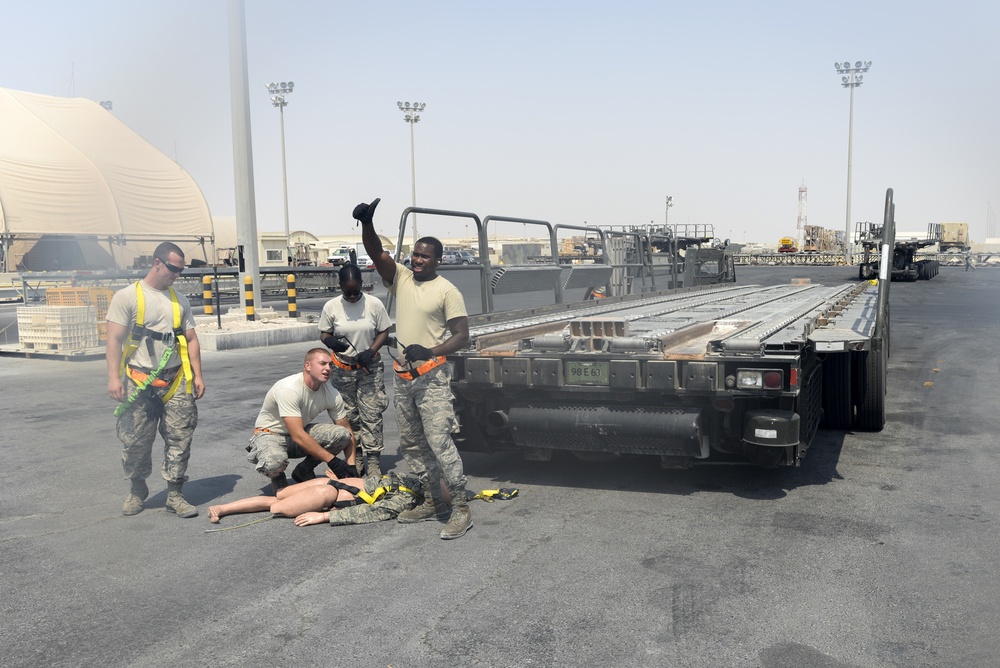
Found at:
<point>428,309</point>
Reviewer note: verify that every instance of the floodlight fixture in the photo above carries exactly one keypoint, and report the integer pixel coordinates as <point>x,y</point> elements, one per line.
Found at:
<point>411,115</point>
<point>852,80</point>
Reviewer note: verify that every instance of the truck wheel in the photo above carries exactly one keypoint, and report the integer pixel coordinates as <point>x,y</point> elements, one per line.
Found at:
<point>869,389</point>
<point>838,410</point>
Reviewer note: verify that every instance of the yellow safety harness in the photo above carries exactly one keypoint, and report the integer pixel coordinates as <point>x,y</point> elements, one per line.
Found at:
<point>504,494</point>
<point>363,495</point>
<point>172,339</point>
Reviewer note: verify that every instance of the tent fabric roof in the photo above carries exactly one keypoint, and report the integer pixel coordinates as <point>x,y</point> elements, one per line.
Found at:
<point>68,166</point>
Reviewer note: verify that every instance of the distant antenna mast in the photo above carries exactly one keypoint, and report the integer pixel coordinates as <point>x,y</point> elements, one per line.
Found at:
<point>800,225</point>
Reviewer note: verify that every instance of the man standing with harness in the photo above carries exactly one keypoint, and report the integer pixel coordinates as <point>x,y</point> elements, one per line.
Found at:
<point>154,371</point>
<point>428,308</point>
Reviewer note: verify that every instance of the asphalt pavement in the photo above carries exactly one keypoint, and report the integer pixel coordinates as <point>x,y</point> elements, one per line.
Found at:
<point>881,550</point>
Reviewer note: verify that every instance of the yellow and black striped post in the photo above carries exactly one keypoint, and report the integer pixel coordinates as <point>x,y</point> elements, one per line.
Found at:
<point>248,296</point>
<point>206,294</point>
<point>293,310</point>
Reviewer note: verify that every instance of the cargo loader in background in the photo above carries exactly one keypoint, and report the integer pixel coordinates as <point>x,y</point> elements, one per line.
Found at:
<point>700,373</point>
<point>903,261</point>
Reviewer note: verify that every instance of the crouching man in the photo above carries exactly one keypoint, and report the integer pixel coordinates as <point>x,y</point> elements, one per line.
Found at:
<point>285,430</point>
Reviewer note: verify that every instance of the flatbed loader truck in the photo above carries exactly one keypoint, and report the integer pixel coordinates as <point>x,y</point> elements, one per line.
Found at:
<point>694,374</point>
<point>905,266</point>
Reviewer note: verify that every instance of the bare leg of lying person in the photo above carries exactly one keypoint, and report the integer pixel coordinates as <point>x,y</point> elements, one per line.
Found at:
<point>291,501</point>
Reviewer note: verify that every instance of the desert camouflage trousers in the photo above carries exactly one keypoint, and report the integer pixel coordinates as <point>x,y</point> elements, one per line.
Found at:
<point>366,400</point>
<point>137,427</point>
<point>425,415</point>
<point>387,507</point>
<point>271,452</point>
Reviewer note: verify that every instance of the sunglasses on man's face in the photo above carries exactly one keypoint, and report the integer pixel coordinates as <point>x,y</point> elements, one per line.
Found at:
<point>173,268</point>
<point>352,296</point>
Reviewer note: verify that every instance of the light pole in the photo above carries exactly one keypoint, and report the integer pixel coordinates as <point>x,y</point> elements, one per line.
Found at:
<point>673,239</point>
<point>411,114</point>
<point>277,91</point>
<point>852,79</point>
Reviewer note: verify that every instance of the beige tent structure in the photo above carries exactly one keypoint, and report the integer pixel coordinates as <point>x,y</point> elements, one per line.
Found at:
<point>70,170</point>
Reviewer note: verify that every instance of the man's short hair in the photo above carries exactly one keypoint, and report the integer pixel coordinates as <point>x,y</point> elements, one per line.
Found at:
<point>433,241</point>
<point>313,352</point>
<point>164,250</point>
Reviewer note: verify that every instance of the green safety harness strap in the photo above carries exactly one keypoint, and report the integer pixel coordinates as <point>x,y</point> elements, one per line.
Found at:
<point>146,383</point>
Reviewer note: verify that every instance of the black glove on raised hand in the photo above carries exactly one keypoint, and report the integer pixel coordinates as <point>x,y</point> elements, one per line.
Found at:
<point>366,357</point>
<point>364,213</point>
<point>417,353</point>
<point>336,343</point>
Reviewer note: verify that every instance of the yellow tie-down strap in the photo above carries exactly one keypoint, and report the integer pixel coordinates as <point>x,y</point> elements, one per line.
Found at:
<point>490,495</point>
<point>379,493</point>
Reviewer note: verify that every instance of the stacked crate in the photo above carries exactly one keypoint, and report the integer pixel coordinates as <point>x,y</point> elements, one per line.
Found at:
<point>61,328</point>
<point>99,298</point>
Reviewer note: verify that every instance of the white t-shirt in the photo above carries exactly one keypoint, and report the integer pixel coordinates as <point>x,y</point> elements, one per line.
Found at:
<point>423,308</point>
<point>159,317</point>
<point>359,322</point>
<point>291,397</point>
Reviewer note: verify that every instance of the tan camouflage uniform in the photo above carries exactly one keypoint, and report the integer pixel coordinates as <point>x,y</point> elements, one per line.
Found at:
<point>365,400</point>
<point>137,427</point>
<point>387,507</point>
<point>271,451</point>
<point>425,415</point>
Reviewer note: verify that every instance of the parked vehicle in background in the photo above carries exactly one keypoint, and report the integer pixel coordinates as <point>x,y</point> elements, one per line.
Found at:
<point>787,245</point>
<point>451,257</point>
<point>468,257</point>
<point>339,257</point>
<point>954,238</point>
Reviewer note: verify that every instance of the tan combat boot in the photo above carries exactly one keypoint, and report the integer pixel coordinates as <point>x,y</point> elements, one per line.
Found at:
<point>461,517</point>
<point>373,467</point>
<point>434,507</point>
<point>176,502</point>
<point>138,494</point>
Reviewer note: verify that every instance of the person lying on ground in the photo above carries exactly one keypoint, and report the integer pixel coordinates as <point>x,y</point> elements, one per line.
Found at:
<point>311,502</point>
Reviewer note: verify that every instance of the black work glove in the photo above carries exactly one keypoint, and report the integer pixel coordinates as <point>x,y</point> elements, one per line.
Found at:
<point>336,342</point>
<point>416,353</point>
<point>366,357</point>
<point>342,469</point>
<point>363,213</point>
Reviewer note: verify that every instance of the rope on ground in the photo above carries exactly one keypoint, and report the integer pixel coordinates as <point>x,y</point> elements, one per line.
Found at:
<point>240,526</point>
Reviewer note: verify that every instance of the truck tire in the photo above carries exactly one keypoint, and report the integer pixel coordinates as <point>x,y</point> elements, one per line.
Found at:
<point>869,399</point>
<point>838,408</point>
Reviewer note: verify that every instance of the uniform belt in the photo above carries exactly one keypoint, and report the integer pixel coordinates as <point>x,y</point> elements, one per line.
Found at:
<point>140,375</point>
<point>409,373</point>
<point>345,366</point>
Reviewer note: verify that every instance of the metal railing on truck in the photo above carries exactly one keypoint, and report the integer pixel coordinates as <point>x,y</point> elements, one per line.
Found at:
<point>625,266</point>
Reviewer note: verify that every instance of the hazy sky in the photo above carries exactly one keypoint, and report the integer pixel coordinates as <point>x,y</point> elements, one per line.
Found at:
<point>565,111</point>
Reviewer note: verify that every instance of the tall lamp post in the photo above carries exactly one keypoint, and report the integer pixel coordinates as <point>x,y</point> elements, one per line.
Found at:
<point>277,91</point>
<point>852,78</point>
<point>673,238</point>
<point>411,114</point>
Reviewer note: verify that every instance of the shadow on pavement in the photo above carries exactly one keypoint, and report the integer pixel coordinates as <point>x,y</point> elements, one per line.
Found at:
<point>198,492</point>
<point>642,473</point>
